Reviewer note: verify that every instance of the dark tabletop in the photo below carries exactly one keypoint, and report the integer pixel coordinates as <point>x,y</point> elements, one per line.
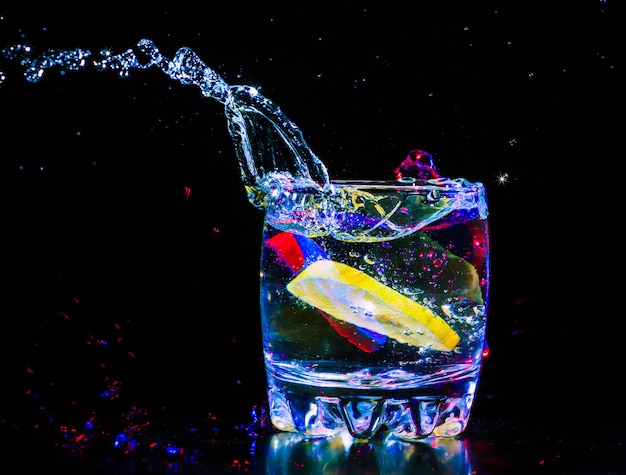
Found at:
<point>204,444</point>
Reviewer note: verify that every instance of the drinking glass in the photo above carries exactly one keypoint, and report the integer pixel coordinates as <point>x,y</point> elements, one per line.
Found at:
<point>374,306</point>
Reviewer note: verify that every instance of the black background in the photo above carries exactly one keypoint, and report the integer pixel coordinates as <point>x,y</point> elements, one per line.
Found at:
<point>109,272</point>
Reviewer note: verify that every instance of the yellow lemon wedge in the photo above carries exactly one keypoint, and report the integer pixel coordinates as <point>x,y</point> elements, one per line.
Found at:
<point>353,296</point>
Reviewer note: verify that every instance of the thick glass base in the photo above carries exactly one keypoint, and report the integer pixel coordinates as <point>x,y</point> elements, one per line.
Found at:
<point>409,414</point>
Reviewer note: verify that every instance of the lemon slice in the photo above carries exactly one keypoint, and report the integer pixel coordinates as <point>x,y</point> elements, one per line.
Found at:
<point>350,295</point>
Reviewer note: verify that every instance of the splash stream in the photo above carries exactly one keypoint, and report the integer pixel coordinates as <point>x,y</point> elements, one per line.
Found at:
<point>273,156</point>
<point>270,148</point>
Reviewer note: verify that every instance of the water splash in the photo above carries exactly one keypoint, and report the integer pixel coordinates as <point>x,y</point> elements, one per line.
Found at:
<point>35,67</point>
<point>280,173</point>
<point>270,148</point>
<point>417,166</point>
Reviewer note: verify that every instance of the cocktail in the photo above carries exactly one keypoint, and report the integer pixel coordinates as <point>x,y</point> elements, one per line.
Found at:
<point>373,304</point>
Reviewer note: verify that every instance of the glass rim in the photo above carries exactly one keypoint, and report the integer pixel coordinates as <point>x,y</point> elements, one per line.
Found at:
<point>413,184</point>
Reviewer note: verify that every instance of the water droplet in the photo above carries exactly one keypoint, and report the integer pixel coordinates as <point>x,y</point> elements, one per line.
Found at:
<point>418,164</point>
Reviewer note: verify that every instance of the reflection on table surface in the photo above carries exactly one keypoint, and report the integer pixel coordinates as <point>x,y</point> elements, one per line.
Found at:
<point>288,454</point>
<point>173,445</point>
